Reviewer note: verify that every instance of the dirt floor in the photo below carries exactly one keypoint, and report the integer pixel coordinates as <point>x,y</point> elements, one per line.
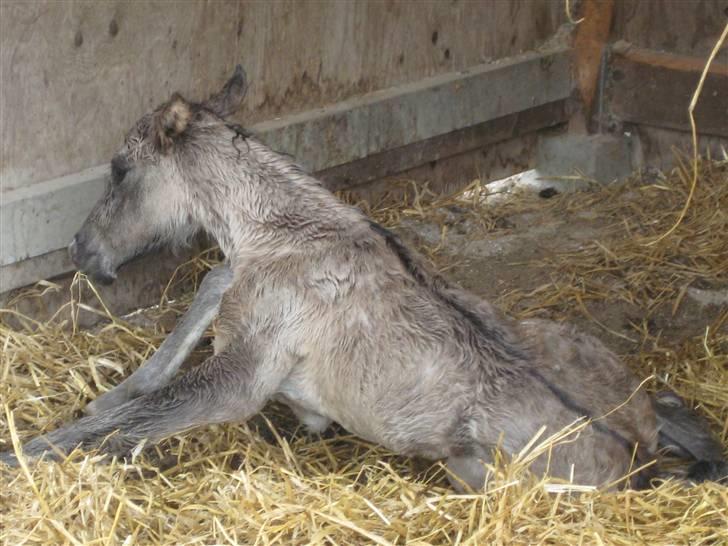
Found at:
<point>608,260</point>
<point>512,263</point>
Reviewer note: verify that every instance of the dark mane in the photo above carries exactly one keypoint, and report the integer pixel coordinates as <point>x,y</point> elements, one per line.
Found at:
<point>490,339</point>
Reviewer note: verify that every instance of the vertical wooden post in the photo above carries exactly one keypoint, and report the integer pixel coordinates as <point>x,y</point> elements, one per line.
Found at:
<point>589,42</point>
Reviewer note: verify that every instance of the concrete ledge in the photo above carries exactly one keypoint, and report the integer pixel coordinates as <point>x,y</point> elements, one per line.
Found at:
<point>604,158</point>
<point>36,223</point>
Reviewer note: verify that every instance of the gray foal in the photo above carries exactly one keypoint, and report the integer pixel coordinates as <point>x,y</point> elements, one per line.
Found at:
<point>323,309</point>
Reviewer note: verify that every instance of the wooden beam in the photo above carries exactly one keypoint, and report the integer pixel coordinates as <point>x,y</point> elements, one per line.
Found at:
<point>655,88</point>
<point>416,111</point>
<point>403,158</point>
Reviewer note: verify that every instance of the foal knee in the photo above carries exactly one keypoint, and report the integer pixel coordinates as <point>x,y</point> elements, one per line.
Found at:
<point>314,422</point>
<point>467,471</point>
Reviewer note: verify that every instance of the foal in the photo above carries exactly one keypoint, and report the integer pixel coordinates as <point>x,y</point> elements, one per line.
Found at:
<point>325,310</point>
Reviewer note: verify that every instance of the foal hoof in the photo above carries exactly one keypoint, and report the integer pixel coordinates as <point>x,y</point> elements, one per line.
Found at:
<point>9,458</point>
<point>709,471</point>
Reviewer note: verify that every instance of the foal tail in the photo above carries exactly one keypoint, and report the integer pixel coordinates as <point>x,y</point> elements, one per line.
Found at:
<point>684,433</point>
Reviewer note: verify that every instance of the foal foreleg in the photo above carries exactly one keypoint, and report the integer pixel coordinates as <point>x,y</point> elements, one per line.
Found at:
<point>226,387</point>
<point>159,370</point>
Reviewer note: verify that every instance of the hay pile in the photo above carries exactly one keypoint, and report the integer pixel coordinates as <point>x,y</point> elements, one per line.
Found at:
<point>268,483</point>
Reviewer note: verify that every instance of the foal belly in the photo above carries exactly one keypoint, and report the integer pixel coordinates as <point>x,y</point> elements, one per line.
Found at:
<point>417,426</point>
<point>316,408</point>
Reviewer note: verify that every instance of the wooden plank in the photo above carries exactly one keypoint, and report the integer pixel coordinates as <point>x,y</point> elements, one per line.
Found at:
<point>404,158</point>
<point>417,111</point>
<point>661,59</point>
<point>655,88</point>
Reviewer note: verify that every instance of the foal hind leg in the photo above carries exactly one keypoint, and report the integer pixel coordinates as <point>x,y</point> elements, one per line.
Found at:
<point>159,370</point>
<point>221,389</point>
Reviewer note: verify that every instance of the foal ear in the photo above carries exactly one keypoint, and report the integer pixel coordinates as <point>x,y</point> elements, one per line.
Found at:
<point>172,121</point>
<point>230,97</point>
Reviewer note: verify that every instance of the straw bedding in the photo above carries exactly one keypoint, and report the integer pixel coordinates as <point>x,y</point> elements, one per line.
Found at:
<point>267,482</point>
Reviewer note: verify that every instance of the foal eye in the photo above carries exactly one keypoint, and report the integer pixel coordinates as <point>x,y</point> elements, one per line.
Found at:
<point>119,168</point>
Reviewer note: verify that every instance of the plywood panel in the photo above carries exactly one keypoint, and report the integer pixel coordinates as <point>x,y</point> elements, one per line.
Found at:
<point>75,75</point>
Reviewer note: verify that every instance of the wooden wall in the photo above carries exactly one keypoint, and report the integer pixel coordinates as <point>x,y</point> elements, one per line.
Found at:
<point>687,27</point>
<point>659,50</point>
<point>76,74</point>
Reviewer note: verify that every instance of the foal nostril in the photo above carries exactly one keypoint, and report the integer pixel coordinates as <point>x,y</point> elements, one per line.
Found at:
<point>72,249</point>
